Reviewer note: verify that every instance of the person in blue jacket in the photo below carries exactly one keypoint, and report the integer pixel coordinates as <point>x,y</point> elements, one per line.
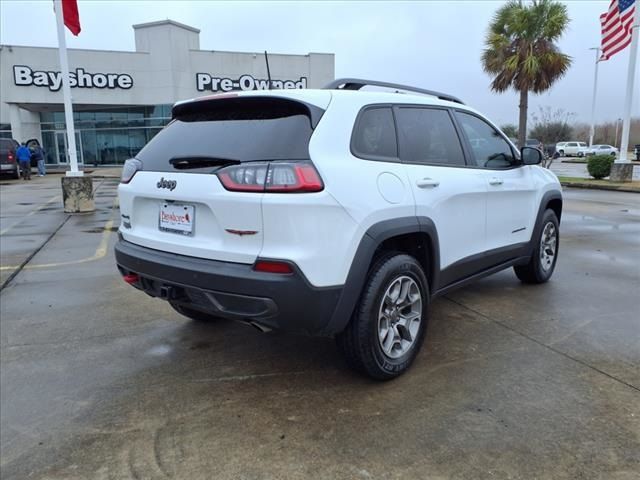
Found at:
<point>23,154</point>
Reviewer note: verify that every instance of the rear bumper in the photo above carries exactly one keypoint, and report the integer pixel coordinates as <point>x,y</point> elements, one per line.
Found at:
<point>231,290</point>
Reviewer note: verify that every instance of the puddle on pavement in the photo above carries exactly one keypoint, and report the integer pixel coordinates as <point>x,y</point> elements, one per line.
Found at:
<point>100,230</point>
<point>159,350</point>
<point>24,203</point>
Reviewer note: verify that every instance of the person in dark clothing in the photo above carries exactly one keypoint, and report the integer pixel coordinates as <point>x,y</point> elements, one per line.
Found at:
<point>23,154</point>
<point>37,154</point>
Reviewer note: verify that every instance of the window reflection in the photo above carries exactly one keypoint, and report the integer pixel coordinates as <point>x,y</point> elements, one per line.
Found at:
<point>107,136</point>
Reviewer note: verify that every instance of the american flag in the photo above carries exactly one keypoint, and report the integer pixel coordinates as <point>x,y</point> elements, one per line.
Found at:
<point>616,27</point>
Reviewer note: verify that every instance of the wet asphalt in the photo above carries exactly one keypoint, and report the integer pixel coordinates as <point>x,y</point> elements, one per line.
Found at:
<point>99,381</point>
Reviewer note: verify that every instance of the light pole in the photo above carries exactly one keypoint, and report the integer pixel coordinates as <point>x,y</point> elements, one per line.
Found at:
<point>593,99</point>
<point>615,142</point>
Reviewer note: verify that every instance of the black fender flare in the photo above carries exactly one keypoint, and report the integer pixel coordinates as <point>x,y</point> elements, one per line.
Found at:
<point>371,240</point>
<point>544,202</point>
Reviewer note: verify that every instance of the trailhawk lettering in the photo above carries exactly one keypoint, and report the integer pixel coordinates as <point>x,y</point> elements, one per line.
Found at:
<point>25,76</point>
<point>204,81</point>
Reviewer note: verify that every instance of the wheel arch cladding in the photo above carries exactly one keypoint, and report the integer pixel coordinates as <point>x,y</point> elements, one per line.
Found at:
<point>553,200</point>
<point>555,204</point>
<point>398,234</point>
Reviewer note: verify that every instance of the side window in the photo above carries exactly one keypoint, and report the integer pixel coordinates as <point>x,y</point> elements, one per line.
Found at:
<point>489,148</point>
<point>427,135</point>
<point>375,134</point>
<point>572,144</point>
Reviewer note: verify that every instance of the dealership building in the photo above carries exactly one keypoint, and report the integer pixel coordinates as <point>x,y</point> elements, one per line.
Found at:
<point>122,99</point>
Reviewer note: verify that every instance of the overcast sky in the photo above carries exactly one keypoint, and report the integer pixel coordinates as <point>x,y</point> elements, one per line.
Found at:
<point>432,44</point>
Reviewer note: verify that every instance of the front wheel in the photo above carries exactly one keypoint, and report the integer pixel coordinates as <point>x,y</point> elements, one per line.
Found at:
<point>545,254</point>
<point>388,327</point>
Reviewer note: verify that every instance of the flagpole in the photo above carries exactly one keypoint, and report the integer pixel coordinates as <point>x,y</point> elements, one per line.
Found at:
<point>626,118</point>
<point>593,99</point>
<point>66,93</point>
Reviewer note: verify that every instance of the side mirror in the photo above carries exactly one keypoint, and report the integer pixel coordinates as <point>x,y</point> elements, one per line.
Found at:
<point>530,155</point>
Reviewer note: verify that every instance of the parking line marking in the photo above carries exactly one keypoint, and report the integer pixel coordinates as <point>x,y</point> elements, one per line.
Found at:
<point>51,200</point>
<point>100,252</point>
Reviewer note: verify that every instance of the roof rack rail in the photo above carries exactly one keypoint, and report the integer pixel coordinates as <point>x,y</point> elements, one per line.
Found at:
<point>358,83</point>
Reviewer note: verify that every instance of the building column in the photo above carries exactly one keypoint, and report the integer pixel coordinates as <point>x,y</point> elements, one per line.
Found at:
<point>25,124</point>
<point>16,122</point>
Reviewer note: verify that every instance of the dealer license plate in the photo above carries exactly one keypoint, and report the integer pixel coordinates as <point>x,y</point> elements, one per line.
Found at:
<point>177,218</point>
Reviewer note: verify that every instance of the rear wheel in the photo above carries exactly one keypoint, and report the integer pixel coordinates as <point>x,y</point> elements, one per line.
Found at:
<point>545,254</point>
<point>196,315</point>
<point>388,327</point>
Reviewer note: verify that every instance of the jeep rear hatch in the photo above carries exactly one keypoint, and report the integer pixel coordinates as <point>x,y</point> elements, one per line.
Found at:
<point>196,188</point>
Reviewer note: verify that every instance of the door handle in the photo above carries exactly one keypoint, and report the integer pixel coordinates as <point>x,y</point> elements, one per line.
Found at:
<point>496,181</point>
<point>427,183</point>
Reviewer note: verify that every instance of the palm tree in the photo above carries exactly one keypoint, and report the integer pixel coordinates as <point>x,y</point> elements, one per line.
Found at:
<point>520,50</point>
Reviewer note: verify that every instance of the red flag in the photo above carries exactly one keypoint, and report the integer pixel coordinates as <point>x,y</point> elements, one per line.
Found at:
<point>70,15</point>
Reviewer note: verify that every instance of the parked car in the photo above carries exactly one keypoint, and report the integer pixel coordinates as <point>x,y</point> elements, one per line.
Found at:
<point>602,150</point>
<point>8,162</point>
<point>532,142</point>
<point>570,149</point>
<point>332,212</point>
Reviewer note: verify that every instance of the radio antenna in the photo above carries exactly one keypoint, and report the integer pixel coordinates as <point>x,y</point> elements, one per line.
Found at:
<point>266,59</point>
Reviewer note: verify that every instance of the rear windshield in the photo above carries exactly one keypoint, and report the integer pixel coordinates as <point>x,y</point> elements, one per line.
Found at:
<point>235,129</point>
<point>6,144</point>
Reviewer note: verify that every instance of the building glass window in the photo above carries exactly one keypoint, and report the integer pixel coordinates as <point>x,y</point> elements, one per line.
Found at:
<point>5,130</point>
<point>106,136</point>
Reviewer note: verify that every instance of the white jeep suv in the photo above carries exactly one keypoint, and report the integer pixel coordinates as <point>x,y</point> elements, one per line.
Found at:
<point>336,212</point>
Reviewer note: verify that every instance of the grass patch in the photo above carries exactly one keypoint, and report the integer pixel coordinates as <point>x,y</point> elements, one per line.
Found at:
<point>590,182</point>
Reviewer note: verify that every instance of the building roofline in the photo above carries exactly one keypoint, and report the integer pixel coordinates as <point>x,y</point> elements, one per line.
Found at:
<point>165,22</point>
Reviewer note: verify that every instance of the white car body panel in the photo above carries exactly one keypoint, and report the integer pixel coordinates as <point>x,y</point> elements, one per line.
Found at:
<point>320,232</point>
<point>216,210</point>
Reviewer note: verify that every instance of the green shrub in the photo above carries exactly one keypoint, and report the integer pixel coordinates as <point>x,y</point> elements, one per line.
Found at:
<point>599,166</point>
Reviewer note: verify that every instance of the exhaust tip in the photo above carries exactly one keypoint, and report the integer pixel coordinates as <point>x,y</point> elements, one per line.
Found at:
<point>256,325</point>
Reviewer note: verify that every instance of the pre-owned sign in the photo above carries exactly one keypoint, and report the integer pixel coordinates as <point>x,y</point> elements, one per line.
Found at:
<point>204,82</point>
<point>25,76</point>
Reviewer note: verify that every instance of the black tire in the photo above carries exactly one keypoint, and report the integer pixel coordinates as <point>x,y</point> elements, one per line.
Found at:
<point>360,343</point>
<point>580,154</point>
<point>539,270</point>
<point>196,315</point>
<point>561,152</point>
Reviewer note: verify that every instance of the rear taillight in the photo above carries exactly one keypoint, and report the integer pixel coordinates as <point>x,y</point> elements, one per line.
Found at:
<point>275,177</point>
<point>129,169</point>
<point>11,158</point>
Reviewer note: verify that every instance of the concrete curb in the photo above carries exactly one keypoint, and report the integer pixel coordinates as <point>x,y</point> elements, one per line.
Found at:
<point>599,187</point>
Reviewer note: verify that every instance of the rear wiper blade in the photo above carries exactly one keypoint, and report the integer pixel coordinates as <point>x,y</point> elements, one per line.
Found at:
<point>201,161</point>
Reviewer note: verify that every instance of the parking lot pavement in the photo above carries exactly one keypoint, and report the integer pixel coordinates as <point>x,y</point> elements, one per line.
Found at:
<point>99,381</point>
<point>31,212</point>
